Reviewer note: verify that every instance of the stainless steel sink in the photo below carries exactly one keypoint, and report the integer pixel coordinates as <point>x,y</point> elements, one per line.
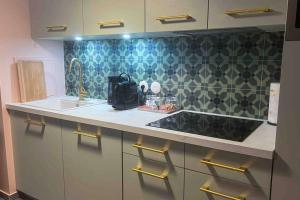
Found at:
<point>63,103</point>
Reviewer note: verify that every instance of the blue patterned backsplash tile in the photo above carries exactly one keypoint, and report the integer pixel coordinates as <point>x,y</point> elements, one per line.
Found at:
<point>226,73</point>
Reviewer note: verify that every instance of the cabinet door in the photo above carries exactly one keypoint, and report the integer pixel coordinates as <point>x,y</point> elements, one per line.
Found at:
<point>56,18</point>
<point>206,187</point>
<point>246,13</point>
<point>92,165</point>
<point>103,17</point>
<point>147,185</point>
<point>176,15</point>
<point>38,156</point>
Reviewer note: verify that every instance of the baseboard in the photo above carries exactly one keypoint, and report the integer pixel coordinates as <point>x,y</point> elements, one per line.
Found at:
<point>6,196</point>
<point>25,196</point>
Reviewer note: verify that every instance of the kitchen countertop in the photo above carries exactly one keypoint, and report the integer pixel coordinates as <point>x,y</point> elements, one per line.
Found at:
<point>261,143</point>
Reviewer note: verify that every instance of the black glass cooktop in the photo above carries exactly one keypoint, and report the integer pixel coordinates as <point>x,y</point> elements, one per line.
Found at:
<point>228,128</point>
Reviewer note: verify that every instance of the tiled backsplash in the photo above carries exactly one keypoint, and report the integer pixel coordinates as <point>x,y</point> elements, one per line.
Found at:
<point>226,73</point>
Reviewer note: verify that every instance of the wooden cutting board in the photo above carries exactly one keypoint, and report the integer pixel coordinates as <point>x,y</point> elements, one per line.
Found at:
<point>32,83</point>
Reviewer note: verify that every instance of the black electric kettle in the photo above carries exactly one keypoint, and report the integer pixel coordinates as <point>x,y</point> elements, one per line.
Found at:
<point>124,93</point>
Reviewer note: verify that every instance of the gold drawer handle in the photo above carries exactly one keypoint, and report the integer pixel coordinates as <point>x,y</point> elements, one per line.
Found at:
<point>208,162</point>
<point>139,146</point>
<point>79,132</point>
<point>112,23</point>
<point>207,190</point>
<point>33,122</point>
<point>176,17</point>
<point>56,28</point>
<point>139,170</point>
<point>248,11</point>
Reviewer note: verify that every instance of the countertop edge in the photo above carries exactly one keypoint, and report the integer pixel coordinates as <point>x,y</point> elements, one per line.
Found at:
<point>180,137</point>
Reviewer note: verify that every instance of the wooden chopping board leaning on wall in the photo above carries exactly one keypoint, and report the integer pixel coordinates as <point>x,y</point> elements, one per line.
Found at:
<point>32,82</point>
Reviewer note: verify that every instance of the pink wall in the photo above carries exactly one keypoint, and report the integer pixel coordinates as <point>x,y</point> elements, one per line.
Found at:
<point>16,43</point>
<point>3,167</point>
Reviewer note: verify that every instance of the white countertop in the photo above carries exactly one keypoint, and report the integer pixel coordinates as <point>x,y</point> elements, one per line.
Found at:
<point>261,143</point>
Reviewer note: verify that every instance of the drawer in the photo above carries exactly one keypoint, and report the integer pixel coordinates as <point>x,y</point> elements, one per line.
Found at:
<point>216,188</point>
<point>247,169</point>
<point>246,13</point>
<point>154,148</point>
<point>151,180</point>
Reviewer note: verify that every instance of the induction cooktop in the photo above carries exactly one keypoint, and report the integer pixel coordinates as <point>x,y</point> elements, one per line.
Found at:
<point>224,127</point>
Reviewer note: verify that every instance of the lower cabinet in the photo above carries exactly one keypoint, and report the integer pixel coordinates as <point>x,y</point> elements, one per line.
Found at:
<point>145,179</point>
<point>207,187</point>
<point>64,160</point>
<point>92,162</point>
<point>241,168</point>
<point>38,158</point>
<point>153,148</point>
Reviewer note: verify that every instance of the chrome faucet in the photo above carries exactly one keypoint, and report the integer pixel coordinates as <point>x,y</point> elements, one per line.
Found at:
<point>81,91</point>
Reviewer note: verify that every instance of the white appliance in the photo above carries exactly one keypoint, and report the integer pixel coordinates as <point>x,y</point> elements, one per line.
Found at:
<point>273,103</point>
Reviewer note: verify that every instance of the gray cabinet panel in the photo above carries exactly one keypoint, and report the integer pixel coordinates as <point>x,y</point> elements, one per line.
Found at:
<point>92,166</point>
<point>138,186</point>
<point>194,181</point>
<point>258,171</point>
<point>56,14</point>
<point>173,156</point>
<point>197,9</point>
<point>246,13</point>
<point>286,176</point>
<point>38,157</point>
<point>111,12</point>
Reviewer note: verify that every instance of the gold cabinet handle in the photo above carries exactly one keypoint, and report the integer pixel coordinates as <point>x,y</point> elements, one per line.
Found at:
<point>139,146</point>
<point>112,23</point>
<point>248,11</point>
<point>208,162</point>
<point>176,17</point>
<point>139,170</point>
<point>56,28</point>
<point>33,122</point>
<point>207,190</point>
<point>79,132</point>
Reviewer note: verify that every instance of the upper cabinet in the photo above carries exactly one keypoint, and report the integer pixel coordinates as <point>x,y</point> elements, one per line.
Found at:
<point>64,19</point>
<point>176,15</point>
<point>103,17</point>
<point>246,13</point>
<point>56,18</point>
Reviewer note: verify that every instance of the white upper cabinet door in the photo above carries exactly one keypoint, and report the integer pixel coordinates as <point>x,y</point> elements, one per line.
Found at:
<point>176,15</point>
<point>105,17</point>
<point>246,13</point>
<point>56,18</point>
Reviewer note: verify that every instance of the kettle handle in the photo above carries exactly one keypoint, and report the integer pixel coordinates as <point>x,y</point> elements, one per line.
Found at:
<point>129,78</point>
